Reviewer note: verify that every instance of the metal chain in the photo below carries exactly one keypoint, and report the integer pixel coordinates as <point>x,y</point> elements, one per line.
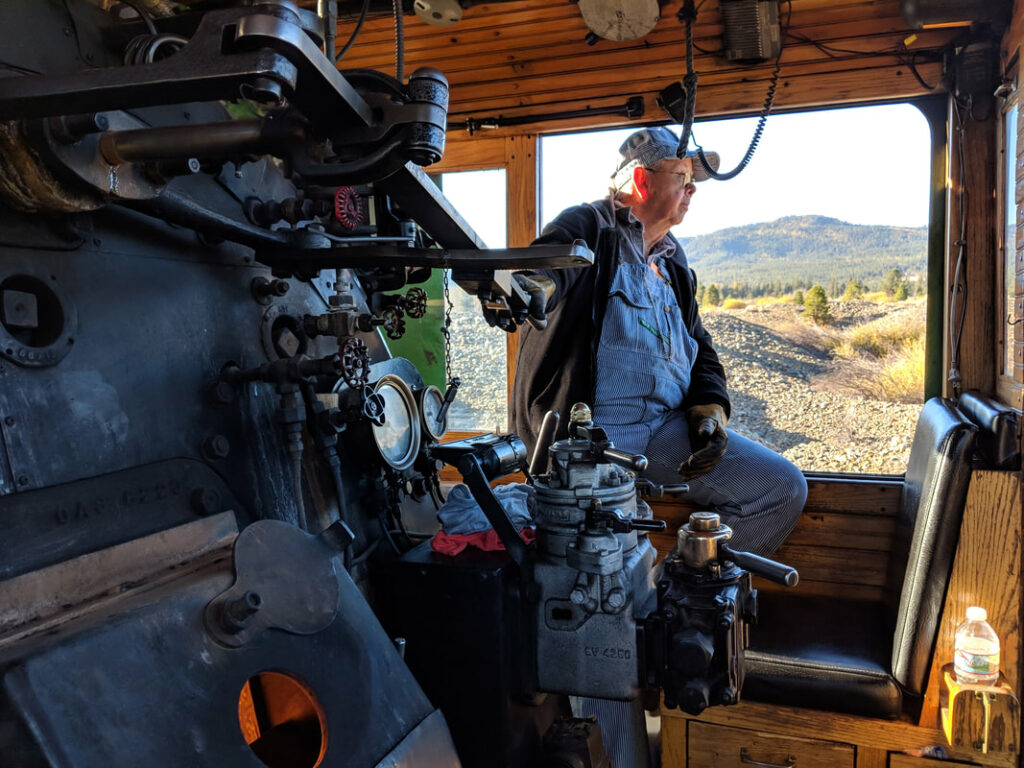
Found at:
<point>446,329</point>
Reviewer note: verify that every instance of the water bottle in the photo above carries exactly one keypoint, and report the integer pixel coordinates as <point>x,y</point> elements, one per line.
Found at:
<point>976,659</point>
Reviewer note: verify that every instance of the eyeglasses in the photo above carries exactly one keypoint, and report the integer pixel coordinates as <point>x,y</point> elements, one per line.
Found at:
<point>685,178</point>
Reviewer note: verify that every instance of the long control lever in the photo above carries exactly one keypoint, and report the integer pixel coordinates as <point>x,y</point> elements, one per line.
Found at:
<point>480,460</point>
<point>762,566</point>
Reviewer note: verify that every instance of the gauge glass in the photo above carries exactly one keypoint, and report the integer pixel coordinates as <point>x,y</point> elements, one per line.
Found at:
<point>431,401</point>
<point>398,439</point>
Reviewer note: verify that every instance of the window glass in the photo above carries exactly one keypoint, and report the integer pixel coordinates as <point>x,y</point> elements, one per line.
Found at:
<point>811,267</point>
<point>478,351</point>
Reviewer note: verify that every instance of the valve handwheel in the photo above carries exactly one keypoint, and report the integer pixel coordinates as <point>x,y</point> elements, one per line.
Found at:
<point>347,209</point>
<point>355,362</point>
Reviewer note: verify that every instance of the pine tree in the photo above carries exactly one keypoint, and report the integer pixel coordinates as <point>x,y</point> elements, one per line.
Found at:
<point>854,290</point>
<point>891,282</point>
<point>798,298</point>
<point>712,297</point>
<point>816,306</point>
<point>901,291</point>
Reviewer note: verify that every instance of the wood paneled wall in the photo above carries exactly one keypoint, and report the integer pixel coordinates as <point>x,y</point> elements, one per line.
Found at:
<point>841,544</point>
<point>530,57</point>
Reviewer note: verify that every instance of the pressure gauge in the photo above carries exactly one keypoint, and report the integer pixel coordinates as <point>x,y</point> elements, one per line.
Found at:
<point>398,440</point>
<point>620,19</point>
<point>431,401</point>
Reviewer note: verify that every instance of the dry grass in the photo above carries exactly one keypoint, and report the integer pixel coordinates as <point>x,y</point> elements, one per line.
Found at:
<point>807,334</point>
<point>734,304</point>
<point>882,359</point>
<point>883,337</point>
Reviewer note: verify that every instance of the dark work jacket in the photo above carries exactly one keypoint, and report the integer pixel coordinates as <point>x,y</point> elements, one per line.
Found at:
<point>556,367</point>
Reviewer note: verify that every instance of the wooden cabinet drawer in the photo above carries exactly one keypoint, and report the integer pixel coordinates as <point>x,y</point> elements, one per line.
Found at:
<point>715,746</point>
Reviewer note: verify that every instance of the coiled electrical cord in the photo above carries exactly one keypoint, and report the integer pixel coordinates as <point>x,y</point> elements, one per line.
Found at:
<point>143,48</point>
<point>399,42</point>
<point>754,140</point>
<point>689,15</point>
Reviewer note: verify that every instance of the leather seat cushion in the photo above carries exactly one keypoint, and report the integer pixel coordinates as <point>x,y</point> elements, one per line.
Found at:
<point>822,654</point>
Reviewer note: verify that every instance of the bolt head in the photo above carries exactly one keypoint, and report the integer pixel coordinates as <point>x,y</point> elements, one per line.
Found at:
<point>578,596</point>
<point>216,447</point>
<point>205,501</point>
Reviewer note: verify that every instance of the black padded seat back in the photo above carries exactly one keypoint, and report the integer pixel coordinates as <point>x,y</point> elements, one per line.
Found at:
<point>996,447</point>
<point>927,531</point>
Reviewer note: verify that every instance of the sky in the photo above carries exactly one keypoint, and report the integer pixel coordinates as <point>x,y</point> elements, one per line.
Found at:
<point>864,165</point>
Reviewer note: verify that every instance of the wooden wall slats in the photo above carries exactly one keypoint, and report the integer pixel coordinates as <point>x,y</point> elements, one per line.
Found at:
<point>486,62</point>
<point>744,93</point>
<point>840,545</point>
<point>825,494</point>
<point>875,36</point>
<point>530,57</point>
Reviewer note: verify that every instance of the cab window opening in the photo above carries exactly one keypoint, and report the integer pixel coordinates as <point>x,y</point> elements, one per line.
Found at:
<point>812,268</point>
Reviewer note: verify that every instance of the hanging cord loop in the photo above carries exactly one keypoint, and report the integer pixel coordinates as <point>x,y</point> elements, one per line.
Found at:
<point>688,14</point>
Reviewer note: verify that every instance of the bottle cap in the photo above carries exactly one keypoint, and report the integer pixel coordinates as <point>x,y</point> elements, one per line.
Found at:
<point>976,613</point>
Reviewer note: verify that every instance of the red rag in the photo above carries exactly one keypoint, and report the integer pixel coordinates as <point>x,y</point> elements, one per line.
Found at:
<point>488,541</point>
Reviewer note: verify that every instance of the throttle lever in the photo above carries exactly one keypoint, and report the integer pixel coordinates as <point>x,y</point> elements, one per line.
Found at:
<point>762,566</point>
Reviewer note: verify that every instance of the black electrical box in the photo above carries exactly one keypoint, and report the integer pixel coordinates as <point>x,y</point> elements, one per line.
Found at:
<point>752,31</point>
<point>465,630</point>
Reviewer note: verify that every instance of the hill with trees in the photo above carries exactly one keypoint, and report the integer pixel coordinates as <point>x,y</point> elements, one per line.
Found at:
<point>796,252</point>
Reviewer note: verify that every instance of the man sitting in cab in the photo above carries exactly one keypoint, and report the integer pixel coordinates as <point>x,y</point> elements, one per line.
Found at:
<point>625,335</point>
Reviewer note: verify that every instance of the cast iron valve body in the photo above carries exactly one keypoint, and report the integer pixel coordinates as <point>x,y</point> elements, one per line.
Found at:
<point>696,638</point>
<point>593,562</point>
<point>694,642</point>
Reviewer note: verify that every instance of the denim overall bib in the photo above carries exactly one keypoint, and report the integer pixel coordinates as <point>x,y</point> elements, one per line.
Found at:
<point>645,353</point>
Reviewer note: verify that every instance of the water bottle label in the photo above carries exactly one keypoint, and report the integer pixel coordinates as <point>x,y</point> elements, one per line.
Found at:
<point>976,664</point>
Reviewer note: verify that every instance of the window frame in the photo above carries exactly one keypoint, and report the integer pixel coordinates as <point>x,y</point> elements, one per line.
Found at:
<point>517,156</point>
<point>1009,314</point>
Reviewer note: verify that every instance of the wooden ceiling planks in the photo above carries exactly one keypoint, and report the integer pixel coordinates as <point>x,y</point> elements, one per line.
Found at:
<point>530,57</point>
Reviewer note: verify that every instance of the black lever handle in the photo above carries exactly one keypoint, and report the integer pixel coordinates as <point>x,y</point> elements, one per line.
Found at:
<point>648,525</point>
<point>622,524</point>
<point>762,566</point>
<point>636,462</point>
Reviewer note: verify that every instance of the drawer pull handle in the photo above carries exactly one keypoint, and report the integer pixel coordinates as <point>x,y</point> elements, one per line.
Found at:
<point>745,759</point>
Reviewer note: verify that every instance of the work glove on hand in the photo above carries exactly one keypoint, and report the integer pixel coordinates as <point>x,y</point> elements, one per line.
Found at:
<point>538,289</point>
<point>708,440</point>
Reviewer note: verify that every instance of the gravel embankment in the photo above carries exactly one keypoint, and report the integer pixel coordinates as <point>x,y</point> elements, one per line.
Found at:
<point>776,401</point>
<point>776,386</point>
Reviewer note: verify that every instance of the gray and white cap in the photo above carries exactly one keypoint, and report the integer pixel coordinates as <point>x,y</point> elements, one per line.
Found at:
<point>649,145</point>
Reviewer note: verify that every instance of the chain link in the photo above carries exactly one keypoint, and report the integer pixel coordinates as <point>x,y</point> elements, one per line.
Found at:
<point>446,328</point>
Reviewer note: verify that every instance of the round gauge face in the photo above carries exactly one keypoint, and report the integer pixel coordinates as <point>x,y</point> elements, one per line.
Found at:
<point>620,19</point>
<point>431,401</point>
<point>398,440</point>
